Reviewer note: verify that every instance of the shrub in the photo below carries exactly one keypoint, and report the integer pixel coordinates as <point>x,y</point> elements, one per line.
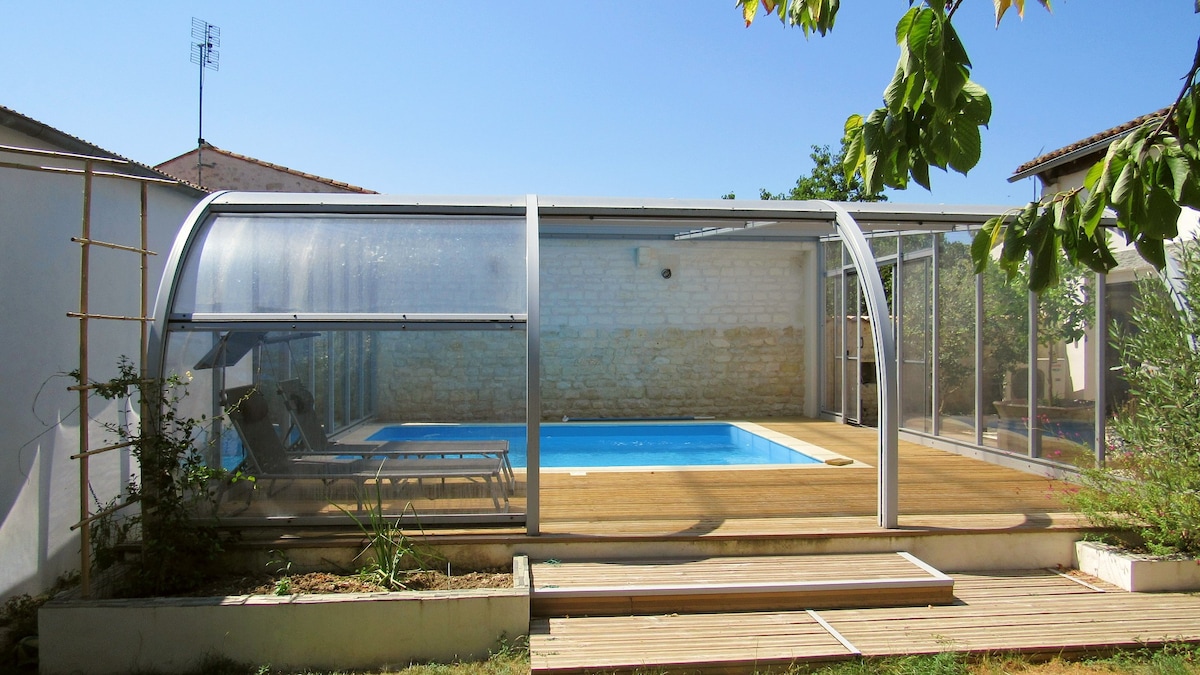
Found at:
<point>179,541</point>
<point>1150,485</point>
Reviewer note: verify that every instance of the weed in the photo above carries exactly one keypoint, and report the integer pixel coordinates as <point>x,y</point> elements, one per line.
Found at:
<point>393,553</point>
<point>280,564</point>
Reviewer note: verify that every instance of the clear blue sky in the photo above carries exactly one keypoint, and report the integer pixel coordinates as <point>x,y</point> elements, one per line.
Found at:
<point>605,98</point>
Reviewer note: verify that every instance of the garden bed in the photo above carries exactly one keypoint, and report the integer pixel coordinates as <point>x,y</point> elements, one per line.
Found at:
<point>357,630</point>
<point>1136,572</point>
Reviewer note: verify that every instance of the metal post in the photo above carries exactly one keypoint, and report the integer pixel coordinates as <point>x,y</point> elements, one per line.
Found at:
<point>1034,445</point>
<point>885,363</point>
<point>533,371</point>
<point>1100,361</point>
<point>979,318</point>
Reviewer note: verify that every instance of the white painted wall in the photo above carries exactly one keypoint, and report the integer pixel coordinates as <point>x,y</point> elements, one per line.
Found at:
<point>39,343</point>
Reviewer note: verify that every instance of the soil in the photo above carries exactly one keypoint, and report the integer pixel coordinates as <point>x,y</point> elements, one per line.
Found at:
<point>327,582</point>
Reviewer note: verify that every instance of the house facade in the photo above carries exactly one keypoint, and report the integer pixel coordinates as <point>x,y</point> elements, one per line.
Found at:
<point>44,186</point>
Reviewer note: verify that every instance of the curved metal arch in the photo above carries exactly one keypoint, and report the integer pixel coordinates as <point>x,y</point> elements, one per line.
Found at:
<point>168,287</point>
<point>884,339</point>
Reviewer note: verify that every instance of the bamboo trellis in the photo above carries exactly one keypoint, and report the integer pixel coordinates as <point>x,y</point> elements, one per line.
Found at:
<point>86,315</point>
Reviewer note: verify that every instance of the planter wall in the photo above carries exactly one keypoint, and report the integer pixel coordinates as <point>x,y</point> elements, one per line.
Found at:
<point>1139,573</point>
<point>351,631</point>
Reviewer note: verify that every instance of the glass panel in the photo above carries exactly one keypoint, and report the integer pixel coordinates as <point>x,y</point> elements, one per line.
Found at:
<point>834,351</point>
<point>267,397</point>
<point>355,265</point>
<point>833,254</point>
<point>917,243</point>
<point>916,401</point>
<point>956,337</point>
<point>1121,294</point>
<point>1066,406</point>
<point>1005,376</point>
<point>883,246</point>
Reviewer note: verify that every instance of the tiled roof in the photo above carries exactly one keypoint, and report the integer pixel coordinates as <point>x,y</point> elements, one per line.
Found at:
<point>1101,140</point>
<point>347,187</point>
<point>42,131</point>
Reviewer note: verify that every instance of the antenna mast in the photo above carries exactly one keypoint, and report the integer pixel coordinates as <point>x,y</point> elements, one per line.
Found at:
<point>205,40</point>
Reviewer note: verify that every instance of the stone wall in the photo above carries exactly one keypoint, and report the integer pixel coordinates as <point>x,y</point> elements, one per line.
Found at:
<point>722,335</point>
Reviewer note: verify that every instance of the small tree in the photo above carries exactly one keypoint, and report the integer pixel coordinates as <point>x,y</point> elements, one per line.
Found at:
<point>827,180</point>
<point>1151,484</point>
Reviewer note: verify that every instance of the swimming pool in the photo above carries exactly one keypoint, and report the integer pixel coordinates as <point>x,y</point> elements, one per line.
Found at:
<point>609,444</point>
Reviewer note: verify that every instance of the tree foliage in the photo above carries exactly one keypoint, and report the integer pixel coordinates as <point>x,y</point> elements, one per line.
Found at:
<point>827,181</point>
<point>932,114</point>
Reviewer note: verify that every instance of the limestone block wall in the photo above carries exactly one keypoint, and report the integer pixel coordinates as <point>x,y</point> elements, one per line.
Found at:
<point>722,334</point>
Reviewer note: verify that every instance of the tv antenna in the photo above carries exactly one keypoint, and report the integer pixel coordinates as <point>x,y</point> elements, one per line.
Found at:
<point>205,40</point>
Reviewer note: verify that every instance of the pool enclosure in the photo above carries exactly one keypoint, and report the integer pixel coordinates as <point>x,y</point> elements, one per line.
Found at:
<point>305,324</point>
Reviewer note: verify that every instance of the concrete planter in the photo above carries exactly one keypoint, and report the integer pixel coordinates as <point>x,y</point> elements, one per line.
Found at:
<point>1138,573</point>
<point>350,631</point>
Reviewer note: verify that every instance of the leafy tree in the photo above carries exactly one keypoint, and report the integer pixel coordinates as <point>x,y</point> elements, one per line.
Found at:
<point>932,115</point>
<point>827,181</point>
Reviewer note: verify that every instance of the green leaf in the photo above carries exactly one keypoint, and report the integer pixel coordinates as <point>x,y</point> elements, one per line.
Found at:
<point>1162,214</point>
<point>905,24</point>
<point>966,147</point>
<point>949,86</point>
<point>919,32</point>
<point>914,94</point>
<point>1093,211</point>
<point>952,47</point>
<point>985,241</point>
<point>1125,183</point>
<point>854,146</point>
<point>870,174</point>
<point>1152,250</point>
<point>919,168</point>
<point>1043,273</point>
<point>1180,171</point>
<point>932,53</point>
<point>894,96</point>
<point>976,105</point>
<point>1190,193</point>
<point>1093,175</point>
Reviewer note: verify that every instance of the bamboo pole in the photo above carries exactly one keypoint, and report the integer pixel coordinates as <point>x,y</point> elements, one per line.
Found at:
<point>85,539</point>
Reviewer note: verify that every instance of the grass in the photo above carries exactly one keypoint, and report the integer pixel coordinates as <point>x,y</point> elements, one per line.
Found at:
<point>513,659</point>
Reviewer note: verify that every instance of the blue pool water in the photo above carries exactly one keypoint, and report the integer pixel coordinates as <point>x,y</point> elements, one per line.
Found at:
<point>611,444</point>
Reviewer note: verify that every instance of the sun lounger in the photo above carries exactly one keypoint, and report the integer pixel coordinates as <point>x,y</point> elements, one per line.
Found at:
<point>299,403</point>
<point>268,459</point>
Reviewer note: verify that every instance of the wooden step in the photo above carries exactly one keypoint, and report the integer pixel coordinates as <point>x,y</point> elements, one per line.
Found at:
<point>741,642</point>
<point>738,584</point>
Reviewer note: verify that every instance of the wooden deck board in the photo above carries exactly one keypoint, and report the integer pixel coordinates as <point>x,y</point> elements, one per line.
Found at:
<point>717,571</point>
<point>725,584</point>
<point>1035,611</point>
<point>1041,611</point>
<point>615,644</point>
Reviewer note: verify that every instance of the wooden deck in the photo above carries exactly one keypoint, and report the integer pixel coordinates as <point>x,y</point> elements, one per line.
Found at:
<point>727,584</point>
<point>937,489</point>
<point>1034,611</point>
